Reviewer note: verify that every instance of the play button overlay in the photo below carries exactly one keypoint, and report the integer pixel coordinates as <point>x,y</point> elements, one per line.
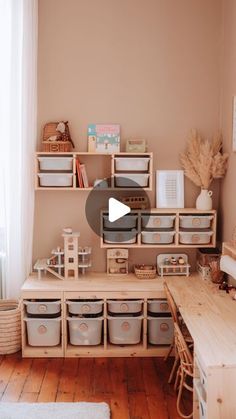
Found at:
<point>112,212</point>
<point>116,210</point>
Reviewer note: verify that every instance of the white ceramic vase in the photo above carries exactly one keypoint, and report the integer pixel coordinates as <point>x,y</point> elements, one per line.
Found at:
<point>204,200</point>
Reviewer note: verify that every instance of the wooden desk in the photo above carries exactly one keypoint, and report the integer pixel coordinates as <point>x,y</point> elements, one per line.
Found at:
<point>210,316</point>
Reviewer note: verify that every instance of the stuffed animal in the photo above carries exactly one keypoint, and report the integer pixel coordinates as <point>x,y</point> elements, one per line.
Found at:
<point>64,132</point>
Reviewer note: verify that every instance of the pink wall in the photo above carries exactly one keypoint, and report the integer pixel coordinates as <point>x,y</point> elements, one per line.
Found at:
<point>228,197</point>
<point>152,66</point>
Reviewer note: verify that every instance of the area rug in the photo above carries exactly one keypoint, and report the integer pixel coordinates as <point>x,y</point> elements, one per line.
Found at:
<point>81,410</point>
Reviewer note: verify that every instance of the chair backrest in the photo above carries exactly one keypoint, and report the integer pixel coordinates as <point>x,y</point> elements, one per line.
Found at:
<point>172,305</point>
<point>186,358</point>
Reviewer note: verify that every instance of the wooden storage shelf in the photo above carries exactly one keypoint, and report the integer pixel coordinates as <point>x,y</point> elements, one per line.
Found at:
<point>176,229</point>
<point>92,286</point>
<point>105,169</point>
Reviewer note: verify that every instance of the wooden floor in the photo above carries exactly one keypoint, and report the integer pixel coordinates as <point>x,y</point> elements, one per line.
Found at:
<point>135,388</point>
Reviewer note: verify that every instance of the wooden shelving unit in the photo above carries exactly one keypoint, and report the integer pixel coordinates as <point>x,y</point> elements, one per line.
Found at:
<point>98,165</point>
<point>176,229</point>
<point>92,286</point>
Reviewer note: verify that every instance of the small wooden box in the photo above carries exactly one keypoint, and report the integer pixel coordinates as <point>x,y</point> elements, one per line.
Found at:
<point>136,146</point>
<point>56,146</point>
<point>205,256</point>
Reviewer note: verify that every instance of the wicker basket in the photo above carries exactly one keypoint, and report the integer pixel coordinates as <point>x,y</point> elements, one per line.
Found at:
<point>145,272</point>
<point>54,146</point>
<point>10,326</point>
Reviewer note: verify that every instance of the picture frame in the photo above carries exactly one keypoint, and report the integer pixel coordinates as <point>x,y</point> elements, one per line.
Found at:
<point>169,189</point>
<point>234,125</point>
<point>104,138</point>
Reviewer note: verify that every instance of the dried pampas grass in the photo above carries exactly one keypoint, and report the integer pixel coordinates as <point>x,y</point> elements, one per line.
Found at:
<point>203,160</point>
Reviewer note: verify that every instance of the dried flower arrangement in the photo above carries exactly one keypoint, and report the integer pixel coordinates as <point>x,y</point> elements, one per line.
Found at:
<point>203,160</point>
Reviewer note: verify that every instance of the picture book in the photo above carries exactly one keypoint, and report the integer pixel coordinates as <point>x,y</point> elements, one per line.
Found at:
<point>104,138</point>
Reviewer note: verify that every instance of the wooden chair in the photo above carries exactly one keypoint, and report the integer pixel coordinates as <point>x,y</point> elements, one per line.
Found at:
<point>178,320</point>
<point>184,378</point>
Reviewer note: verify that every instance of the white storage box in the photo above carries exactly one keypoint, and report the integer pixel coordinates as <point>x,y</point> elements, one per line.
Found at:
<point>189,237</point>
<point>160,330</point>
<point>55,179</point>
<point>128,221</point>
<point>127,237</point>
<point>201,394</point>
<point>158,306</point>
<point>56,163</point>
<point>154,237</point>
<point>195,221</point>
<point>125,330</point>
<point>85,307</point>
<point>129,164</point>
<point>158,221</point>
<point>85,331</point>
<point>125,306</point>
<point>44,307</point>
<point>133,180</point>
<point>43,332</point>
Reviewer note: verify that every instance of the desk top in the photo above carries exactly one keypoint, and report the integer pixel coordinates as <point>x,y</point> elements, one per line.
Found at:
<point>210,315</point>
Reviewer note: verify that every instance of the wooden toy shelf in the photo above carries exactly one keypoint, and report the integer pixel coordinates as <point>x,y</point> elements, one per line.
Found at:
<point>92,286</point>
<point>98,166</point>
<point>136,232</point>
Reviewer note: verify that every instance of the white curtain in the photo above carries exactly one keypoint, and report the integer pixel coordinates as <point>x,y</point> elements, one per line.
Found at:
<point>18,101</point>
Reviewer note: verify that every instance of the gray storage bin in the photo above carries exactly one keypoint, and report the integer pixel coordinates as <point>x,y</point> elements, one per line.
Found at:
<point>128,221</point>
<point>85,307</point>
<point>43,332</point>
<point>156,237</point>
<point>55,179</point>
<point>201,395</point>
<point>125,330</point>
<point>195,221</point>
<point>125,306</point>
<point>43,307</point>
<point>84,331</point>
<point>127,237</point>
<point>158,306</point>
<point>198,237</point>
<point>158,221</point>
<point>56,163</point>
<point>160,330</point>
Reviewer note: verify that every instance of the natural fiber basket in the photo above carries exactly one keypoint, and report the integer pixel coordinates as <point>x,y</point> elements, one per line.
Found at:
<point>54,146</point>
<point>10,326</point>
<point>145,272</point>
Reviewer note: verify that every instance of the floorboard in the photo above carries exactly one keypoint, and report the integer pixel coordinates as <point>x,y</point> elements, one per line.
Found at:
<point>135,388</point>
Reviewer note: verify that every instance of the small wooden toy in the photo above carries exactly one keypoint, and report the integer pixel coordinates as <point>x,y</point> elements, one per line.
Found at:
<point>136,146</point>
<point>117,261</point>
<point>173,264</point>
<point>68,262</point>
<point>136,202</point>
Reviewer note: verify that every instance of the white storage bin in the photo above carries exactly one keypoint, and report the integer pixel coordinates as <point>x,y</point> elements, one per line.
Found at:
<point>85,307</point>
<point>55,179</point>
<point>125,306</point>
<point>198,237</point>
<point>43,332</point>
<point>195,221</point>
<point>44,307</point>
<point>158,306</point>
<point>56,163</point>
<point>158,221</point>
<point>201,394</point>
<point>125,330</point>
<point>127,237</point>
<point>129,164</point>
<point>133,180</point>
<point>85,331</point>
<point>160,330</point>
<point>128,221</point>
<point>154,237</point>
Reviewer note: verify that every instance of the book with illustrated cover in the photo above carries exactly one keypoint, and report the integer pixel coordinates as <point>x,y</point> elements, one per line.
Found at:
<point>104,138</point>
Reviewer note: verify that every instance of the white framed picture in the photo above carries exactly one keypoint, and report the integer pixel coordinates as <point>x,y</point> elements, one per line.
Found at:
<point>169,189</point>
<point>234,125</point>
